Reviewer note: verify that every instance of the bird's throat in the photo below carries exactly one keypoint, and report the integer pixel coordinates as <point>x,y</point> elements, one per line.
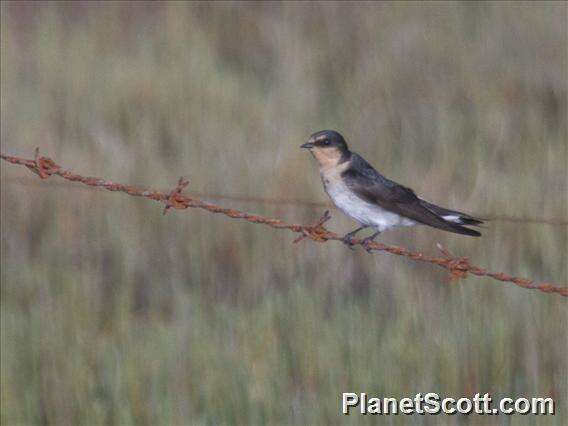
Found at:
<point>330,159</point>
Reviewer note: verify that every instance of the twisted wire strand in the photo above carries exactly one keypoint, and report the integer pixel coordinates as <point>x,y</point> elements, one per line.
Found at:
<point>23,180</point>
<point>458,267</point>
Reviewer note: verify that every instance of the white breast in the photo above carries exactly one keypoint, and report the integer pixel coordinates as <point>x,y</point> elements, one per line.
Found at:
<point>363,212</point>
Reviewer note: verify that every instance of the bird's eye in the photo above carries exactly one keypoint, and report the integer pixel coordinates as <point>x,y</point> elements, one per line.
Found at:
<point>326,141</point>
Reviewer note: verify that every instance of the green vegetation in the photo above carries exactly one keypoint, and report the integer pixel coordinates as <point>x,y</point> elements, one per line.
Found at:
<point>113,313</point>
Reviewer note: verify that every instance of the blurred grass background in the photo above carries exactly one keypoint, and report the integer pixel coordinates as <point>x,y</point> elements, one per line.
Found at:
<point>113,313</point>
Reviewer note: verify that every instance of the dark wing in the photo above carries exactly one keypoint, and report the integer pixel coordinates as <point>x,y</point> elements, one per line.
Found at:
<point>371,186</point>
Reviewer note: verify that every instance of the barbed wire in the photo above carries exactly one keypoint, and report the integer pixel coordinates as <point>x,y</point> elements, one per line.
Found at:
<point>458,267</point>
<point>313,205</point>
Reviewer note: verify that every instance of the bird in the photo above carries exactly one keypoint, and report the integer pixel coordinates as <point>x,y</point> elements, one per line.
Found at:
<point>372,200</point>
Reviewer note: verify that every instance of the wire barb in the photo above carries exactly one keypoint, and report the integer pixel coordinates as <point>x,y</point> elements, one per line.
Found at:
<point>316,231</point>
<point>458,267</point>
<point>172,200</point>
<point>42,166</point>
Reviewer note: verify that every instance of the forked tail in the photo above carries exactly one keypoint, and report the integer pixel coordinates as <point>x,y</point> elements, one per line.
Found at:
<point>455,217</point>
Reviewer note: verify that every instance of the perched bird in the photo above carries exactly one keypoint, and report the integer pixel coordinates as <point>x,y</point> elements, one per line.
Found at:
<point>374,201</point>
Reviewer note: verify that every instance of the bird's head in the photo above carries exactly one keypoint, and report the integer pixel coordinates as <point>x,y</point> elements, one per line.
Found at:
<point>328,147</point>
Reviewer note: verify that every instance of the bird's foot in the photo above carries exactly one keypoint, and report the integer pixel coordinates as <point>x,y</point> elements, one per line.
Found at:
<point>348,241</point>
<point>348,238</point>
<point>366,243</point>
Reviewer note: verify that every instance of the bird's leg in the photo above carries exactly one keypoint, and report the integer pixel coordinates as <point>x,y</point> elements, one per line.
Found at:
<point>366,241</point>
<point>348,238</point>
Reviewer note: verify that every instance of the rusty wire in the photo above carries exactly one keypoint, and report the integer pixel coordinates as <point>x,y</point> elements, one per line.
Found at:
<point>458,267</point>
<point>23,180</point>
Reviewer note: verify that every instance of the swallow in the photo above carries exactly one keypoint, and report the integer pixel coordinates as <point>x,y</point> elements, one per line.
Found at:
<point>371,199</point>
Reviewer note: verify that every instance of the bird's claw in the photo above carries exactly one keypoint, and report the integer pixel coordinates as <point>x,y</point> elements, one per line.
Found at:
<point>348,241</point>
<point>365,244</point>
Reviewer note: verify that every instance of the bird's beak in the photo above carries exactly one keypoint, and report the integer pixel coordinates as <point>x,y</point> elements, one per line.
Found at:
<point>307,145</point>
